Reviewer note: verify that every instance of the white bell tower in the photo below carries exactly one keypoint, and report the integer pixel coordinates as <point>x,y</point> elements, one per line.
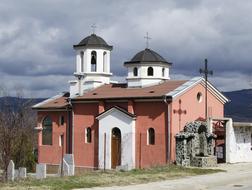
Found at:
<point>147,68</point>
<point>92,65</point>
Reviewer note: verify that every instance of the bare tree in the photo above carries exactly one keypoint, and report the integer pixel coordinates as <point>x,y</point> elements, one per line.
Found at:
<point>16,132</point>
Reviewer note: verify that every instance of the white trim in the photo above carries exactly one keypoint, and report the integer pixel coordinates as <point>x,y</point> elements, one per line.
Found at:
<point>216,92</point>
<point>193,82</point>
<point>147,64</point>
<point>47,100</point>
<point>184,87</point>
<point>114,109</point>
<point>242,124</point>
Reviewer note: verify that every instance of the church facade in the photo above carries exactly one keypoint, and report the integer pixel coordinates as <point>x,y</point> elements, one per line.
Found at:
<point>106,124</point>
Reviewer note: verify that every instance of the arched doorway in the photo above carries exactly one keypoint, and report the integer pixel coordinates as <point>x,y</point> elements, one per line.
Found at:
<point>115,148</point>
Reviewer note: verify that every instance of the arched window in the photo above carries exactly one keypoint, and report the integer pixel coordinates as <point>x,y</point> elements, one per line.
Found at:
<point>47,131</point>
<point>104,61</point>
<point>93,61</point>
<point>151,136</point>
<point>61,120</point>
<point>163,72</point>
<point>135,71</point>
<point>82,61</point>
<point>150,71</point>
<point>88,135</point>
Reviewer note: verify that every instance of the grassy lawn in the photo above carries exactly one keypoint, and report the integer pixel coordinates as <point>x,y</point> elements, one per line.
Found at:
<point>109,178</point>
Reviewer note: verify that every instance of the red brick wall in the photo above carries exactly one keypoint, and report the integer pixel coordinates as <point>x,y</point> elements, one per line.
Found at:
<point>52,154</point>
<point>150,115</point>
<point>85,154</point>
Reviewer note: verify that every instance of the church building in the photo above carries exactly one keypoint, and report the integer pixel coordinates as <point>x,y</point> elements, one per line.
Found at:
<point>108,125</point>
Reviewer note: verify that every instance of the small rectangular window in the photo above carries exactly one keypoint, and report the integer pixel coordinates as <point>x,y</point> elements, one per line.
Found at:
<point>88,138</point>
<point>61,120</point>
<point>61,140</point>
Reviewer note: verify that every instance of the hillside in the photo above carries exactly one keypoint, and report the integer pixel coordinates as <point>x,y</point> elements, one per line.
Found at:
<point>240,107</point>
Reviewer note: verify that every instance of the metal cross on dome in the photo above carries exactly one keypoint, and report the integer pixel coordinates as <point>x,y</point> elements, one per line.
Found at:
<point>93,26</point>
<point>206,72</point>
<point>179,112</point>
<point>147,39</point>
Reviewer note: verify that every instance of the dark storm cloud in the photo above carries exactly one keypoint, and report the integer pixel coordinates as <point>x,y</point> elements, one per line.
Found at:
<point>36,38</point>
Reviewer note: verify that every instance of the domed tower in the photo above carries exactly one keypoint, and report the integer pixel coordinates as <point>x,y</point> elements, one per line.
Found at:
<point>92,64</point>
<point>147,68</point>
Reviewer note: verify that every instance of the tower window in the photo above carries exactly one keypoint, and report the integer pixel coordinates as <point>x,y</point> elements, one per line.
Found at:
<point>163,72</point>
<point>47,131</point>
<point>82,61</point>
<point>104,61</point>
<point>151,136</point>
<point>93,61</point>
<point>135,71</point>
<point>88,135</point>
<point>150,71</point>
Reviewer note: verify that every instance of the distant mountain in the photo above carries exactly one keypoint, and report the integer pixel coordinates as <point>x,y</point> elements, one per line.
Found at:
<point>240,107</point>
<point>13,102</point>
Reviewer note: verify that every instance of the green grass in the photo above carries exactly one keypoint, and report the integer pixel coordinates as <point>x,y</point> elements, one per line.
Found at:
<point>109,178</point>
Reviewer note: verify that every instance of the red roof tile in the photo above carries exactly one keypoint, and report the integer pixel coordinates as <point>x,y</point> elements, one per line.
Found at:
<point>119,91</point>
<point>56,103</point>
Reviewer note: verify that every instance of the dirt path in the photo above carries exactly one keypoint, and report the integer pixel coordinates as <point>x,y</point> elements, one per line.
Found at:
<point>238,176</point>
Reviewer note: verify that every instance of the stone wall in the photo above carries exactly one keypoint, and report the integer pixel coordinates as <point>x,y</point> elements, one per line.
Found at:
<point>194,146</point>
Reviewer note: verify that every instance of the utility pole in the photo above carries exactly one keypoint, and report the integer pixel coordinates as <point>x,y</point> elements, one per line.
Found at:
<point>206,72</point>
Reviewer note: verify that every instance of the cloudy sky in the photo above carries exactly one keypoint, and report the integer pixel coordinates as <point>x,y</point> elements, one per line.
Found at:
<point>36,39</point>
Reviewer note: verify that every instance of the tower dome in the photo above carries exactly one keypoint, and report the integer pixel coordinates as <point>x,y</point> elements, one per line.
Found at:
<point>147,55</point>
<point>93,41</point>
<point>147,68</point>
<point>92,64</point>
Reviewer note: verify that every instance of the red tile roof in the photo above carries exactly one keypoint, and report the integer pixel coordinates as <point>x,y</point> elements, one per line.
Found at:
<point>120,91</point>
<point>114,91</point>
<point>54,103</point>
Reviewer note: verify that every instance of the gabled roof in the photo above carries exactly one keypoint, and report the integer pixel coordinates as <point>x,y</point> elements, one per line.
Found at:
<point>115,108</point>
<point>194,81</point>
<point>170,89</point>
<point>56,102</point>
<point>121,91</point>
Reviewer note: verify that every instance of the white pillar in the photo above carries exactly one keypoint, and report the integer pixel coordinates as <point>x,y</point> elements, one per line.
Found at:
<point>230,140</point>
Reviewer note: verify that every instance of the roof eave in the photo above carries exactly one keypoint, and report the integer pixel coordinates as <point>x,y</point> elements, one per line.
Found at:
<point>77,46</point>
<point>146,62</point>
<point>117,98</point>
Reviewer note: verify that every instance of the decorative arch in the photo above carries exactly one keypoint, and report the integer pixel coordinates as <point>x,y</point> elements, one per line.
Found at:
<point>151,136</point>
<point>82,61</point>
<point>163,72</point>
<point>47,131</point>
<point>135,71</point>
<point>93,61</point>
<point>150,71</point>
<point>104,61</point>
<point>116,139</point>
